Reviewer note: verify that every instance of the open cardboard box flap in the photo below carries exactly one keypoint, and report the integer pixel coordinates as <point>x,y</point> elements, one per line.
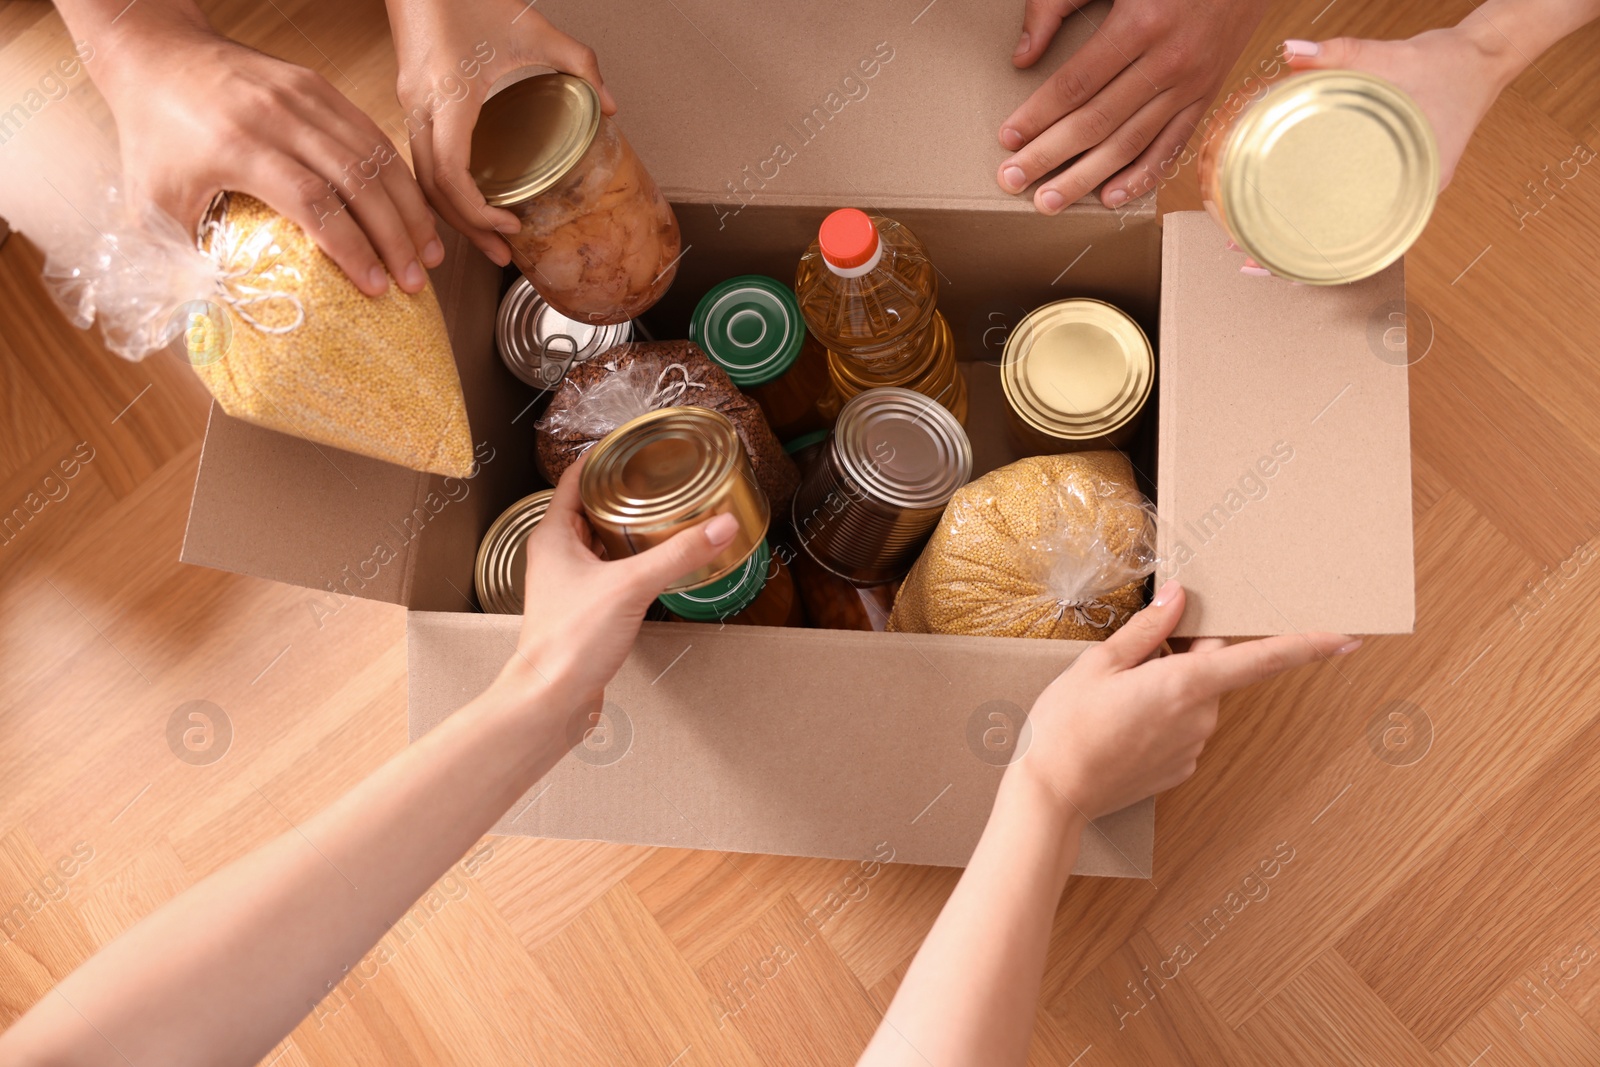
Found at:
<point>843,744</point>
<point>1285,447</point>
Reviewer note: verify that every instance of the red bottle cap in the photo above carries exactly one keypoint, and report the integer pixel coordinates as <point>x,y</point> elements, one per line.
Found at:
<point>848,238</point>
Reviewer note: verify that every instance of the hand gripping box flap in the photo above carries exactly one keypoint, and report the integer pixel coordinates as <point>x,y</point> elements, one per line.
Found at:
<point>836,101</point>
<point>853,756</point>
<point>278,507</point>
<point>1285,458</point>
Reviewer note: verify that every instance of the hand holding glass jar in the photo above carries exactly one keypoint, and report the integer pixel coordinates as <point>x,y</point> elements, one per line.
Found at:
<point>450,56</point>
<point>597,239</point>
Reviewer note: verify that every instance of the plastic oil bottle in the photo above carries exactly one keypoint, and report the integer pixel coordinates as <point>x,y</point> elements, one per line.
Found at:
<point>868,293</point>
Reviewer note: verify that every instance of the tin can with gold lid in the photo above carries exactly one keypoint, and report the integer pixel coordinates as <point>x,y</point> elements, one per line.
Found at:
<point>877,491</point>
<point>539,345</point>
<point>598,240</point>
<point>666,471</point>
<point>1076,375</point>
<point>1326,177</point>
<point>502,555</point>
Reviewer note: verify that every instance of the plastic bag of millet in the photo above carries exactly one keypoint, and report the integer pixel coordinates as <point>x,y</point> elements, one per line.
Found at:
<point>1049,546</point>
<point>317,358</point>
<point>272,326</point>
<point>637,377</point>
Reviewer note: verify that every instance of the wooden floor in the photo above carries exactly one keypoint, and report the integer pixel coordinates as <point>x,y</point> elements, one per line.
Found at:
<point>1435,904</point>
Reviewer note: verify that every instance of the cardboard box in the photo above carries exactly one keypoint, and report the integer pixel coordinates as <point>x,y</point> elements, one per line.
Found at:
<point>1277,450</point>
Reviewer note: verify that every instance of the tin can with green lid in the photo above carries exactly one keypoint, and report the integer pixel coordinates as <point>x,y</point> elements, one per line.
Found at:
<point>751,327</point>
<point>728,595</point>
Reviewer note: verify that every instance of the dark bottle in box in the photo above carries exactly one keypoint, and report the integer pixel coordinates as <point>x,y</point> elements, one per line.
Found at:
<point>751,327</point>
<point>831,603</point>
<point>761,592</point>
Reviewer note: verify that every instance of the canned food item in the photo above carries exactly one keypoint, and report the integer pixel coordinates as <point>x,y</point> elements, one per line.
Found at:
<point>934,373</point>
<point>539,344</point>
<point>502,555</point>
<point>1326,177</point>
<point>1076,374</point>
<point>598,240</point>
<point>759,593</point>
<point>868,504</point>
<point>666,471</point>
<point>751,327</point>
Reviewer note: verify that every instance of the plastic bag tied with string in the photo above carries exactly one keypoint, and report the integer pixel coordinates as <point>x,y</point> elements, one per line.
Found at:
<point>638,377</point>
<point>273,328</point>
<point>1049,546</point>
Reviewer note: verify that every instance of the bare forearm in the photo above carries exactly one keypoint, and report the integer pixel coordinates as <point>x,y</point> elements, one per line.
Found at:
<point>1514,33</point>
<point>124,38</point>
<point>104,23</point>
<point>972,991</point>
<point>260,942</point>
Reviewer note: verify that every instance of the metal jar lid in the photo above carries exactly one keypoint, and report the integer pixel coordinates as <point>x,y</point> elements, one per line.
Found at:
<point>1329,177</point>
<point>1077,369</point>
<point>502,555</point>
<point>539,344</point>
<point>902,448</point>
<point>750,326</point>
<point>666,471</point>
<point>529,135</point>
<point>728,595</point>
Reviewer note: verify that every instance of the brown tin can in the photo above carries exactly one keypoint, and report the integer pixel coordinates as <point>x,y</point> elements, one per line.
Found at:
<point>867,506</point>
<point>502,555</point>
<point>1077,375</point>
<point>666,471</point>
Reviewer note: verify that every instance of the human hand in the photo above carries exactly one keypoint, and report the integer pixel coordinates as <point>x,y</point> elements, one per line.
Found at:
<point>582,612</point>
<point>1453,74</point>
<point>1117,727</point>
<point>198,113</point>
<point>450,56</point>
<point>1126,101</point>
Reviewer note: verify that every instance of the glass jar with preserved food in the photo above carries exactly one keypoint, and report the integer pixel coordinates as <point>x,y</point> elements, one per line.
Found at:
<point>598,240</point>
<point>751,327</point>
<point>832,603</point>
<point>1322,177</point>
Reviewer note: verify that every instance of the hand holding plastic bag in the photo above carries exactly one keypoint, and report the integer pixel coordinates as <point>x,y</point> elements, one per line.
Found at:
<point>278,333</point>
